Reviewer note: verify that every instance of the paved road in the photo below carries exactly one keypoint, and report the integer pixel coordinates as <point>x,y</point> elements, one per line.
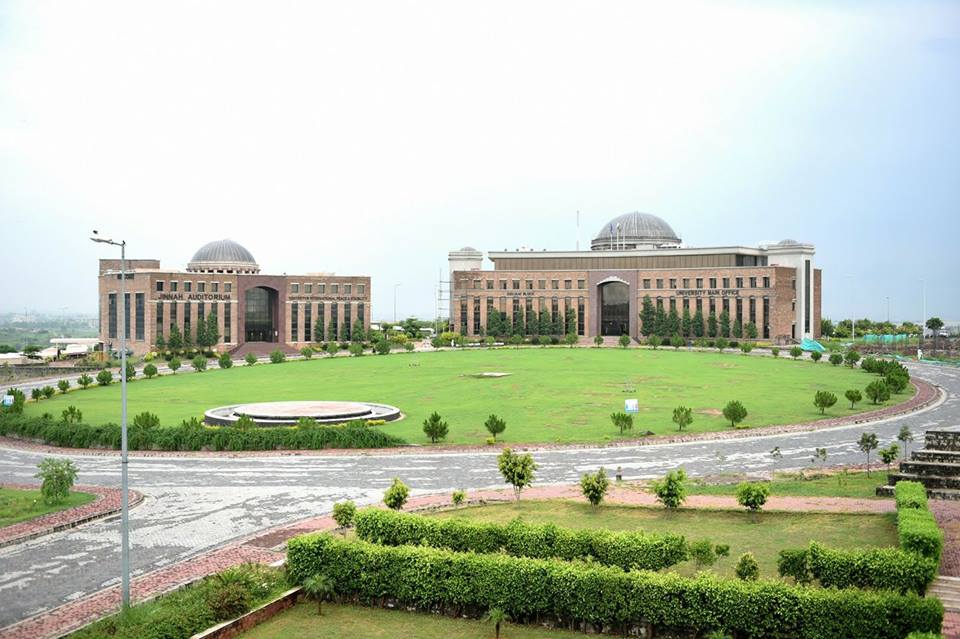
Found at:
<point>195,504</point>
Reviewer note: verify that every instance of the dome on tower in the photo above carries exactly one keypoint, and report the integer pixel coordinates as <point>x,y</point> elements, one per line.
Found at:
<point>634,231</point>
<point>223,256</point>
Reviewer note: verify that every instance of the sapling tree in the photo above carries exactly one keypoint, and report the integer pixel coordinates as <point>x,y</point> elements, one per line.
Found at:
<point>517,470</point>
<point>836,359</point>
<point>671,490</point>
<point>594,486</point>
<point>877,391</point>
<point>867,443</point>
<point>623,421</point>
<point>796,352</point>
<point>396,495</point>
<point>435,428</point>
<point>853,396</point>
<point>905,437</point>
<point>495,425</point>
<point>824,400</point>
<point>735,412</point>
<point>889,454</point>
<point>682,416</point>
<point>344,512</point>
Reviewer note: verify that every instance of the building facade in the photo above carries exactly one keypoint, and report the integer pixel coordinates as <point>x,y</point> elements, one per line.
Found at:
<point>254,312</point>
<point>775,287</point>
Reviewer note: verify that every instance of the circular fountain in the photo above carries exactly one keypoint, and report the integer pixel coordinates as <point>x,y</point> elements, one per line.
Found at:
<point>288,413</point>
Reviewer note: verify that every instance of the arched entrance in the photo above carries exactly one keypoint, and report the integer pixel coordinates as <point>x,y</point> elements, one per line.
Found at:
<point>614,309</point>
<point>260,316</point>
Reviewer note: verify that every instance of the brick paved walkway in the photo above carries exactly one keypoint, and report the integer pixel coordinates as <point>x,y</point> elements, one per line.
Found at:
<point>106,503</point>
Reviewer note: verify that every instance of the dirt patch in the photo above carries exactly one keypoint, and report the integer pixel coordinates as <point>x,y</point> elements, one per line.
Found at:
<point>489,375</point>
<point>712,412</point>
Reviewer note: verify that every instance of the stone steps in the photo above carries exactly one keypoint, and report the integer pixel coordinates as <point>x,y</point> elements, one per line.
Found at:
<point>932,455</point>
<point>934,468</point>
<point>930,481</point>
<point>947,494</point>
<point>942,440</point>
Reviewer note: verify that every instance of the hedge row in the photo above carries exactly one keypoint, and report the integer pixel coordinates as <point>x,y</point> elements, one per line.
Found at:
<point>192,435</point>
<point>916,525</point>
<point>531,589</point>
<point>627,550</point>
<point>910,494</point>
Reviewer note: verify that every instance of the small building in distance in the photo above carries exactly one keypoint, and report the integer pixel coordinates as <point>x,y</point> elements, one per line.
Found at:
<point>254,312</point>
<point>775,286</point>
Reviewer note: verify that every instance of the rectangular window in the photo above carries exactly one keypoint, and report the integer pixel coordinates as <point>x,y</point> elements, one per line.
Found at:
<point>686,282</point>
<point>673,303</point>
<point>753,282</point>
<point>516,285</point>
<point>321,288</point>
<point>673,283</point>
<point>294,288</point>
<point>766,282</point>
<point>686,304</point>
<point>489,285</point>
<point>739,317</point>
<point>112,315</point>
<point>308,288</point>
<point>807,287</point>
<point>476,315</point>
<point>361,317</point>
<point>489,308</point>
<point>348,289</point>
<point>503,284</point>
<point>699,282</point>
<point>699,305</point>
<point>126,315</point>
<point>725,306</point>
<point>159,321</point>
<point>529,285</point>
<point>361,289</point>
<point>660,303</point>
<point>542,284</point>
<point>308,322</point>
<point>334,322</point>
<point>214,313</point>
<point>766,318</point>
<point>173,314</point>
<point>463,315</point>
<point>294,322</point>
<point>713,282</point>
<point>739,282</point>
<point>334,289</point>
<point>581,284</point>
<point>753,311</point>
<point>187,287</point>
<point>227,333</point>
<point>159,286</point>
<point>516,315</point>
<point>713,306</point>
<point>659,283</point>
<point>174,286</point>
<point>347,328</point>
<point>201,287</point>
<point>726,282</point>
<point>554,311</point>
<point>568,284</point>
<point>646,283</point>
<point>580,324</point>
<point>555,285</point>
<point>215,287</point>
<point>199,315</point>
<point>187,312</point>
<point>227,287</point>
<point>321,332</point>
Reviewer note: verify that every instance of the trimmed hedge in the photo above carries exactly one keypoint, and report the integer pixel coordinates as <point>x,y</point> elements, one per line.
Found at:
<point>192,435</point>
<point>531,589</point>
<point>876,568</point>
<point>919,532</point>
<point>910,494</point>
<point>627,550</point>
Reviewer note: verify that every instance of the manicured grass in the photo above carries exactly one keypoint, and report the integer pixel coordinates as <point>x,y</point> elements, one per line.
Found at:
<point>858,485</point>
<point>764,535</point>
<point>351,622</point>
<point>19,505</point>
<point>551,395</point>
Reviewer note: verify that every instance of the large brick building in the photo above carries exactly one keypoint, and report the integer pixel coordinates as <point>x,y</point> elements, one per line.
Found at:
<point>775,287</point>
<point>254,312</point>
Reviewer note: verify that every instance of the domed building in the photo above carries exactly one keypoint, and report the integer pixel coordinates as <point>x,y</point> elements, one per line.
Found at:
<point>769,291</point>
<point>222,301</point>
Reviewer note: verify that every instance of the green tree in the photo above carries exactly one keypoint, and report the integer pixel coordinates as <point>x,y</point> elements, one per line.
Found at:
<point>225,361</point>
<point>671,490</point>
<point>332,349</point>
<point>686,323</point>
<point>624,341</point>
<point>889,455</point>
<point>735,412</point>
<point>435,428</point>
<point>277,356</point>
<point>721,343</point>
<point>517,470</point>
<point>673,323</point>
<point>250,359</point>
<point>935,324</point>
<point>796,352</point>
<point>396,495</point>
<point>826,327</point>
<point>867,443</point>
<point>824,400</point>
<point>173,365</point>
<point>71,415</point>
<point>382,347</point>
<point>104,378</point>
<point>571,322</point>
<point>852,357</point>
<point>905,437</point>
<point>682,417</point>
<point>318,587</point>
<point>836,359</point>
<point>747,567</point>
<point>57,477</point>
<point>496,616</point>
<point>648,315</point>
<point>495,426</point>
<point>84,380</point>
<point>357,333</point>
<point>458,497</point>
<point>661,327</point>
<point>149,371</point>
<point>355,349</point>
<point>751,330</point>
<point>36,394</point>
<point>724,324</point>
<point>570,339</point>
<point>698,323</point>
<point>815,356</point>
<point>737,328</point>
<point>595,486</point>
<point>63,385</point>
<point>654,341</point>
<point>201,335</point>
<point>752,495</point>
<point>199,363</point>
<point>131,371</point>
<point>319,334</point>
<point>775,351</point>
<point>332,331</point>
<point>853,396</point>
<point>676,341</point>
<point>175,339</point>
<point>48,391</point>
<point>623,421</point>
<point>211,331</point>
<point>344,512</point>
<point>598,340</point>
<point>878,391</point>
<point>712,324</point>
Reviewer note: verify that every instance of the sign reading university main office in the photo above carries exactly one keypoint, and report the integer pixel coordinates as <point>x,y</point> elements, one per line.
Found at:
<point>199,297</point>
<point>708,292</point>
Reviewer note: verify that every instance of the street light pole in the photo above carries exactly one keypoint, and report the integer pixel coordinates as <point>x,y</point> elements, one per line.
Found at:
<point>395,286</point>
<point>124,500</point>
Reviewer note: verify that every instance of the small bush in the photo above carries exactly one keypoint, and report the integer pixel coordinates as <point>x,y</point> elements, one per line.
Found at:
<point>277,357</point>
<point>104,377</point>
<point>875,568</point>
<point>654,340</point>
<point>670,490</point>
<point>435,427</point>
<point>752,496</point>
<point>796,352</point>
<point>735,412</point>
<point>225,361</point>
<point>344,512</point>
<point>775,351</point>
<point>746,347</point>
<point>910,494</point>
<point>307,352</point>
<point>250,359</point>
<point>57,477</point>
<point>199,363</point>
<point>174,364</point>
<point>458,497</point>
<point>594,487</point>
<point>919,532</point>
<point>150,371</point>
<point>794,563</point>
<point>396,495</point>
<point>836,359</point>
<point>84,381</point>
<point>747,567</point>
<point>63,385</point>
<point>815,356</point>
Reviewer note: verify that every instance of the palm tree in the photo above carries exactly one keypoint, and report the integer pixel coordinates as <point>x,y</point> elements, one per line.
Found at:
<point>318,587</point>
<point>496,616</point>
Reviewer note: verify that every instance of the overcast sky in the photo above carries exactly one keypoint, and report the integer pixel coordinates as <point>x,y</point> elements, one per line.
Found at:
<point>371,138</point>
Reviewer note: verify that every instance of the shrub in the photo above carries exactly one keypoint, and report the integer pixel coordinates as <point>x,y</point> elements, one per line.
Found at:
<point>702,553</point>
<point>318,587</point>
<point>877,391</point>
<point>824,400</point>
<point>629,550</point>
<point>896,381</point>
<point>131,371</point>
<point>104,377</point>
<point>84,380</point>
<point>623,421</point>
<point>355,349</point>
<point>174,364</point>
<point>671,491</point>
<point>63,385</point>
<point>228,599</point>
<point>851,358</point>
<point>735,412</point>
<point>277,357</point>
<point>747,567</point>
<point>910,494</point>
<point>225,361</point>
<point>48,391</point>
<point>396,495</point>
<point>495,425</point>
<point>876,568</point>
<point>344,512</point>
<point>307,352</point>
<point>746,347</point>
<point>815,356</point>
<point>199,363</point>
<point>594,486</point>
<point>36,394</point>
<point>57,477</point>
<point>721,343</point>
<point>796,352</point>
<point>250,359</point>
<point>752,495</point>
<point>853,396</point>
<point>150,371</point>
<point>775,351</point>
<point>836,359</point>
<point>382,347</point>
<point>71,415</point>
<point>527,589</point>
<point>919,533</point>
<point>682,416</point>
<point>517,470</point>
<point>676,341</point>
<point>333,348</point>
<point>794,563</point>
<point>435,428</point>
<point>655,341</point>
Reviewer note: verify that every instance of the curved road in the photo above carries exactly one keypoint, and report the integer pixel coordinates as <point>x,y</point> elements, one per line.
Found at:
<point>196,504</point>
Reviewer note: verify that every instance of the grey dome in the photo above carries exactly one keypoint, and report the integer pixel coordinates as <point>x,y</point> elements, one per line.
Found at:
<point>225,256</point>
<point>788,243</point>
<point>636,230</point>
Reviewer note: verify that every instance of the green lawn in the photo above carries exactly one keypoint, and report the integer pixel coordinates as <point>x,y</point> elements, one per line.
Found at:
<point>18,505</point>
<point>858,485</point>
<point>352,622</point>
<point>764,535</point>
<point>551,395</point>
